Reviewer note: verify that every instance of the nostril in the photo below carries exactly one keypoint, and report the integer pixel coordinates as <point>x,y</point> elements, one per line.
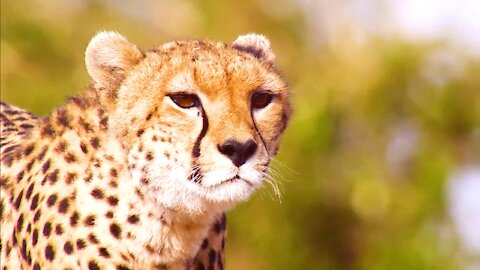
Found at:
<point>227,148</point>
<point>250,148</point>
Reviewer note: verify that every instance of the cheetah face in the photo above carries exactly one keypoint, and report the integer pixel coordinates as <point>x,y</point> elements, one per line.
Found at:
<point>199,121</point>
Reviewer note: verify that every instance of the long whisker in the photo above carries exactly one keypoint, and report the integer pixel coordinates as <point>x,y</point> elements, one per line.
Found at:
<point>274,184</point>
<point>285,166</point>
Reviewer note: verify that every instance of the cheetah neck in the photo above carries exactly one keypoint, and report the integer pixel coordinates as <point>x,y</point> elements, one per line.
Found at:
<point>95,173</point>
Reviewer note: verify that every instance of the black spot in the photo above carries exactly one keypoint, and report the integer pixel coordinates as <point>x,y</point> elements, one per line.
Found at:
<point>51,200</point>
<point>149,116</point>
<point>103,252</point>
<point>112,200</point>
<point>26,126</point>
<point>53,177</point>
<point>133,219</point>
<point>81,244</point>
<point>7,160</point>
<point>113,172</point>
<point>92,265</point>
<point>29,191</point>
<point>144,180</point>
<point>47,131</point>
<point>88,178</point>
<point>204,243</point>
<point>70,177</point>
<point>30,165</point>
<point>49,253</point>
<point>212,256</point>
<point>58,229</point>
<point>10,148</point>
<point>28,150</point>
<point>62,117</point>
<point>9,111</point>
<point>93,238</point>
<point>74,219</point>
<point>122,267</point>
<point>223,222</point>
<point>104,122</point>
<point>113,183</point>
<point>89,220</point>
<point>84,148</point>
<point>36,266</point>
<point>69,157</point>
<point>97,193</point>
<point>34,203</point>
<point>23,251</point>
<point>14,238</point>
<point>140,132</point>
<point>63,206</point>
<point>109,214</point>
<point>20,176</point>
<point>46,166</point>
<point>37,215</point>
<point>81,103</point>
<point>47,229</point>
<point>95,143</point>
<point>4,182</point>
<point>115,230</point>
<point>20,223</point>
<point>68,247</point>
<point>41,155</point>
<point>18,201</point>
<point>8,249</point>
<point>217,227</point>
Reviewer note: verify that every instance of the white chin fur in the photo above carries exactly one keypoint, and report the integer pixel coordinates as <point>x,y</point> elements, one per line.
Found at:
<point>176,191</point>
<point>229,191</point>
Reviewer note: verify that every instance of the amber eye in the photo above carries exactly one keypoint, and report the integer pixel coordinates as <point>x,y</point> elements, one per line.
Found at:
<point>185,100</point>
<point>261,100</point>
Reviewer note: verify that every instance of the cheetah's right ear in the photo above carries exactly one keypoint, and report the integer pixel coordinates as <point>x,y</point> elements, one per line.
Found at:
<point>109,57</point>
<point>256,45</point>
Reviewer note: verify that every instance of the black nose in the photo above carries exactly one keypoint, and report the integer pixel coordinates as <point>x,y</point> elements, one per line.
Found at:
<point>239,153</point>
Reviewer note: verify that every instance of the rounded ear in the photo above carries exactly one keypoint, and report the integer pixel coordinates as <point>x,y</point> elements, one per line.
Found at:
<point>109,57</point>
<point>257,45</point>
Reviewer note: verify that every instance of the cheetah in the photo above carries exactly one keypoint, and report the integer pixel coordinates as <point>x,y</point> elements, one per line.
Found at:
<point>138,170</point>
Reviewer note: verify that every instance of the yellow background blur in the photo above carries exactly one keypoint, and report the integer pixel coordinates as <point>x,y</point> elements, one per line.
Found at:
<point>381,124</point>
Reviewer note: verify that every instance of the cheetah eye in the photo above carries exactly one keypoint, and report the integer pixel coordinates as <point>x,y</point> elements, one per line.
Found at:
<point>185,100</point>
<point>260,100</point>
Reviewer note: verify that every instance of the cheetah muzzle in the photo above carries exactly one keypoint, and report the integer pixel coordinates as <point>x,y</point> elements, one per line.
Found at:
<point>137,172</point>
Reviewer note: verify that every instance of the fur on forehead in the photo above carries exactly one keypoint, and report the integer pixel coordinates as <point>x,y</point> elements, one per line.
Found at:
<point>109,58</point>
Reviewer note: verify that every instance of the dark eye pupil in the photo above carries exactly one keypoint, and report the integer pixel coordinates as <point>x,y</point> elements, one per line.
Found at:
<point>261,100</point>
<point>185,100</point>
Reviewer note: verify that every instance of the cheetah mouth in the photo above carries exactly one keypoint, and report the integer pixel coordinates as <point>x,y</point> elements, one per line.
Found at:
<point>234,179</point>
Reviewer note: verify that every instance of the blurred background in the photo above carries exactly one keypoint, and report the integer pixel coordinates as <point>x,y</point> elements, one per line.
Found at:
<point>380,167</point>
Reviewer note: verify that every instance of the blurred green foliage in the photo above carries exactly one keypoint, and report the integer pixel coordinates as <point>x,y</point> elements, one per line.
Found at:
<point>353,197</point>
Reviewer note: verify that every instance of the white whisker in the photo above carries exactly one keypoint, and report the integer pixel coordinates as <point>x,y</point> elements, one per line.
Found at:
<point>285,166</point>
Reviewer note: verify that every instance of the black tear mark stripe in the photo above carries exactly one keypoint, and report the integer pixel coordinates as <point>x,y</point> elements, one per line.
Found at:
<point>196,175</point>
<point>258,132</point>
<point>196,147</point>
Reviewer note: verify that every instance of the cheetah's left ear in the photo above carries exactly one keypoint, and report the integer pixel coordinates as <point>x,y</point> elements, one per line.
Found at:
<point>109,57</point>
<point>257,45</point>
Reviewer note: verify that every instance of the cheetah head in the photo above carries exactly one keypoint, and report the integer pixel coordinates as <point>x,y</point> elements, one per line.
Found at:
<point>199,121</point>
